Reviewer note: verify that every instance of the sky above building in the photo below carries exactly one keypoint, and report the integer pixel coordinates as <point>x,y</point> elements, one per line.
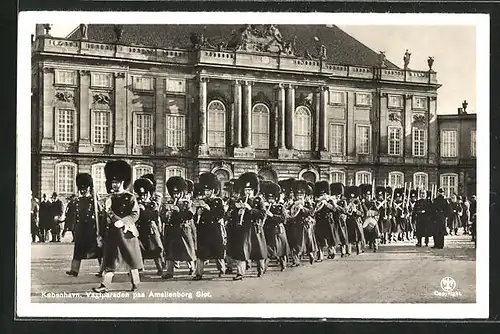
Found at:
<point>453,49</point>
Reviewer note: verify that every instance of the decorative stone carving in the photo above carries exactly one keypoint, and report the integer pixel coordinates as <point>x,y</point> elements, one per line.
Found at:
<point>84,72</point>
<point>304,100</point>
<point>408,96</point>
<point>65,96</point>
<point>419,118</point>
<point>199,41</point>
<point>382,59</point>
<point>222,164</point>
<point>406,59</point>
<point>322,52</point>
<point>102,99</point>
<point>47,28</point>
<point>118,30</point>
<point>265,165</point>
<point>119,75</point>
<point>430,62</point>
<point>266,38</point>
<point>394,117</point>
<point>84,31</point>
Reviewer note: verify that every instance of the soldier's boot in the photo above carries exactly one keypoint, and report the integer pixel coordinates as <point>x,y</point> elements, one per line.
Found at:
<point>358,248</point>
<point>134,279</point>
<point>342,250</point>
<point>311,258</point>
<point>75,268</point>
<point>348,249</point>
<point>159,268</point>
<point>375,246</point>
<point>331,252</point>
<point>321,255</point>
<point>283,261</point>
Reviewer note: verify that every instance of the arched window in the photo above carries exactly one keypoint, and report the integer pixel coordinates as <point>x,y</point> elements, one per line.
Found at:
<point>310,175</point>
<point>449,183</point>
<point>140,170</point>
<point>173,171</point>
<point>303,129</point>
<point>420,180</point>
<point>216,113</point>
<point>223,176</point>
<point>260,126</point>
<point>363,177</point>
<point>268,174</point>
<point>396,179</point>
<point>65,178</point>
<point>337,177</point>
<point>99,178</point>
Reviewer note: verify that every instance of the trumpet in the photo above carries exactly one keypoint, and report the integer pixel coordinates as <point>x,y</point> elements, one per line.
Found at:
<point>321,202</point>
<point>352,206</point>
<point>242,210</point>
<point>296,207</point>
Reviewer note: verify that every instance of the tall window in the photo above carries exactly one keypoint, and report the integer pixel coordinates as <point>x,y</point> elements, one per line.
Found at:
<point>336,144</point>
<point>65,77</point>
<point>303,129</point>
<point>394,140</point>
<point>175,123</point>
<point>473,143</point>
<point>420,180</point>
<point>143,129</point>
<point>140,170</point>
<point>396,179</point>
<point>65,178</point>
<point>363,141</point>
<point>100,79</point>
<point>449,183</point>
<point>216,112</point>
<point>99,178</point>
<point>363,177</point>
<point>308,176</point>
<point>449,143</point>
<point>260,126</point>
<point>337,176</point>
<point>419,142</point>
<point>65,125</point>
<point>101,127</point>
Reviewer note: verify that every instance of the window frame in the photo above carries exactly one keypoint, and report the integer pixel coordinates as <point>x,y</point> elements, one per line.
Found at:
<point>94,113</point>
<point>75,126</point>
<point>360,103</point>
<point>332,101</point>
<point>397,174</point>
<point>95,179</point>
<point>343,136</point>
<point>363,172</point>
<point>57,181</point>
<point>57,72</point>
<point>135,128</point>
<point>338,172</point>
<point>224,127</point>
<point>416,175</point>
<point>138,166</point>
<point>176,91</point>
<point>358,126</point>
<point>392,106</point>
<point>389,140</point>
<point>414,102</point>
<point>453,154</point>
<point>308,137</point>
<point>413,142</point>
<point>138,78</point>
<point>181,119</point>
<point>261,134</point>
<point>447,188</point>
<point>94,83</point>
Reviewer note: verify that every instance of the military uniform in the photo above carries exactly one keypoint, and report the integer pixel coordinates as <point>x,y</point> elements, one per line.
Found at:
<point>370,213</point>
<point>327,234</point>
<point>455,216</point>
<point>232,228</point>
<point>441,210</point>
<point>56,212</point>
<point>34,219</point>
<point>384,219</point>
<point>473,215</point>
<point>44,218</point>
<point>121,243</point>
<point>422,214</point>
<point>354,219</point>
<point>87,233</point>
<point>399,214</point>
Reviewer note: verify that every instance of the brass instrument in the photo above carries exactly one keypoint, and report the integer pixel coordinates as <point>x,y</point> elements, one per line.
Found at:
<point>242,210</point>
<point>199,205</point>
<point>353,206</point>
<point>321,202</point>
<point>297,206</point>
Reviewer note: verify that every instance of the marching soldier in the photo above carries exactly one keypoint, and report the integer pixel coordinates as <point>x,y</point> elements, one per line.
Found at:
<point>340,217</point>
<point>251,241</point>
<point>148,223</point>
<point>56,212</point>
<point>274,225</point>
<point>384,222</point>
<point>411,207</point>
<point>454,219</point>
<point>422,215</point>
<point>325,228</point>
<point>210,228</point>
<point>180,242</point>
<point>156,197</point>
<point>370,212</point>
<point>301,221</point>
<point>441,209</point>
<point>399,214</point>
<point>231,216</point>
<point>121,243</point>
<point>34,219</point>
<point>88,231</point>
<point>354,216</point>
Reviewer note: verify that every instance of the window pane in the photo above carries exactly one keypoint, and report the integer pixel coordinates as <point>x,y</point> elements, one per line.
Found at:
<point>363,178</point>
<point>101,127</point>
<point>175,131</point>
<point>66,179</point>
<point>420,180</point>
<point>65,77</point>
<point>100,79</point>
<point>302,133</point>
<point>394,141</point>
<point>449,143</point>
<point>336,97</point>
<point>141,83</point>
<point>260,126</point>
<point>337,139</point>
<point>363,140</point>
<point>143,128</point>
<point>419,142</point>
<point>216,124</point>
<point>65,126</point>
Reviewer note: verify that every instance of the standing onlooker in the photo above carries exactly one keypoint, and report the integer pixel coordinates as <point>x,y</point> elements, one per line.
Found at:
<point>34,218</point>
<point>44,218</point>
<point>69,217</point>
<point>473,209</point>
<point>441,209</point>
<point>465,214</point>
<point>56,211</point>
<point>454,218</point>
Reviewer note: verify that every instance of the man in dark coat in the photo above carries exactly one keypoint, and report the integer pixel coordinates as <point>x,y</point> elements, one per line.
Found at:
<point>384,222</point>
<point>83,213</point>
<point>231,217</point>
<point>274,224</point>
<point>354,219</point>
<point>35,219</point>
<point>148,223</point>
<point>210,229</point>
<point>441,210</point>
<point>45,220</point>
<point>121,211</point>
<point>411,207</point>
<point>370,214</point>
<point>473,212</point>
<point>69,214</point>
<point>340,217</point>
<point>423,215</point>
<point>56,212</point>
<point>251,241</point>
<point>455,214</point>
<point>325,229</point>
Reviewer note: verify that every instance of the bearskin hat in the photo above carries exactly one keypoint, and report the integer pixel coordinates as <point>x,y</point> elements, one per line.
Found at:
<point>414,193</point>
<point>209,181</point>
<point>388,190</point>
<point>321,187</point>
<point>398,192</point>
<point>189,186</point>
<point>151,178</point>
<point>365,189</point>
<point>351,191</point>
<point>83,181</point>
<point>176,184</point>
<point>311,187</point>
<point>249,180</point>
<point>301,186</point>
<point>337,188</point>
<point>198,190</point>
<point>287,185</point>
<point>270,188</point>
<point>118,170</point>
<point>232,186</point>
<point>143,185</point>
<point>380,190</point>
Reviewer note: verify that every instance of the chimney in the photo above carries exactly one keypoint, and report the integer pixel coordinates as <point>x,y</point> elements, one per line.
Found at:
<point>39,31</point>
<point>460,111</point>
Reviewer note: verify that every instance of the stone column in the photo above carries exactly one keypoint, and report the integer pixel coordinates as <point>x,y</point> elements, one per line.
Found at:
<point>238,100</point>
<point>203,112</point>
<point>120,114</point>
<point>84,108</point>
<point>281,116</point>
<point>290,113</point>
<point>247,115</point>
<point>160,128</point>
<point>433,129</point>
<point>46,103</point>
<point>323,119</point>
<point>407,133</point>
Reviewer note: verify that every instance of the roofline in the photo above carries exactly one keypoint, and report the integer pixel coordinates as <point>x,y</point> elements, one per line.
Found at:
<point>456,116</point>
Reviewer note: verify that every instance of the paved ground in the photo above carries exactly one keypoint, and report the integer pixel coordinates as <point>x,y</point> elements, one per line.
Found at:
<point>398,273</point>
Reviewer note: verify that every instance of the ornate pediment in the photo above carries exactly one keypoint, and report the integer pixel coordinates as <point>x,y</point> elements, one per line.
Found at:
<point>419,118</point>
<point>64,96</point>
<point>266,38</point>
<point>394,117</point>
<point>102,99</point>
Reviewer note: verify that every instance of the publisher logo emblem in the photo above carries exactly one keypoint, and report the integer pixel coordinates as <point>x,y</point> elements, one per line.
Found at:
<point>448,284</point>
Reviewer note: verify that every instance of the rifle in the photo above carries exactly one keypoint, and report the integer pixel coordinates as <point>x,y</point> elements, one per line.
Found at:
<point>98,236</point>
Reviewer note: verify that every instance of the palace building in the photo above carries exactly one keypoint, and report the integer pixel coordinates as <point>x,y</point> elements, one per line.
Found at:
<point>307,102</point>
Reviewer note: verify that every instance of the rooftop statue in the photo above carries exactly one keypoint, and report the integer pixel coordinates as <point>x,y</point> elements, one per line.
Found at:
<point>259,39</point>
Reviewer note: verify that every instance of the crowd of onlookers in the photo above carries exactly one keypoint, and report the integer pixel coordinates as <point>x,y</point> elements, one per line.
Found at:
<point>48,219</point>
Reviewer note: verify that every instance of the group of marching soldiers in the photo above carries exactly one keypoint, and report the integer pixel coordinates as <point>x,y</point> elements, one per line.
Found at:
<point>254,221</point>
